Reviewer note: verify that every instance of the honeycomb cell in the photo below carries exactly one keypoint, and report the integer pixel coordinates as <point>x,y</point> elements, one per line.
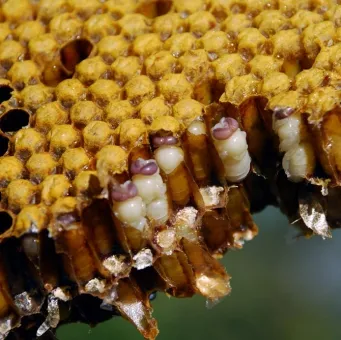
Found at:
<point>85,8</point>
<point>65,27</point>
<point>24,73</point>
<point>41,165</point>
<point>112,47</point>
<point>139,89</point>
<point>43,49</point>
<point>14,120</point>
<point>132,132</point>
<point>169,24</point>
<point>20,193</point>
<point>316,36</point>
<point>216,44</point>
<point>201,22</point>
<point>28,142</point>
<point>103,91</point>
<point>147,44</point>
<point>154,108</point>
<point>10,169</point>
<point>29,30</point>
<point>17,11</point>
<point>74,161</point>
<point>110,160</point>
<point>117,112</point>
<point>48,9</point>
<point>229,66</point>
<point>82,113</point>
<point>31,218</point>
<point>275,83</point>
<point>91,69</point>
<point>133,25</point>
<point>54,187</point>
<point>86,183</point>
<point>304,18</point>
<point>125,68</point>
<point>50,115</point>
<point>35,96</point>
<point>99,26</point>
<point>251,42</point>
<point>186,7</point>
<point>287,44</point>
<point>70,91</point>
<point>195,65</point>
<point>235,24</point>
<point>309,80</point>
<point>160,64</point>
<point>10,52</point>
<point>271,22</point>
<point>178,44</point>
<point>187,110</point>
<point>175,87</point>
<point>63,137</point>
<point>96,135</point>
<point>119,8</point>
<point>262,65</point>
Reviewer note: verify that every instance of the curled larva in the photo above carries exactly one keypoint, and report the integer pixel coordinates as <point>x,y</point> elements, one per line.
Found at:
<point>230,143</point>
<point>288,130</point>
<point>169,157</point>
<point>127,206</point>
<point>299,158</point>
<point>299,162</point>
<point>197,127</point>
<point>151,189</point>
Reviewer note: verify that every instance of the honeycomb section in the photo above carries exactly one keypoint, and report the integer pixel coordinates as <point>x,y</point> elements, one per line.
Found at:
<point>135,139</point>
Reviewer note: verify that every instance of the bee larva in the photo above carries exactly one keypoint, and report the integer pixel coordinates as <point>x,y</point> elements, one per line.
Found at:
<point>151,188</point>
<point>232,148</point>
<point>170,159</point>
<point>299,157</point>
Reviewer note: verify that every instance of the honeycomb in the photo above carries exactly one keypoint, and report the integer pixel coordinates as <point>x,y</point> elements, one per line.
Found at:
<point>138,136</point>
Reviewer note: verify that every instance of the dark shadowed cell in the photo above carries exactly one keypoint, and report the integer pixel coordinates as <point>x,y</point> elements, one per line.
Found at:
<point>14,120</point>
<point>5,221</point>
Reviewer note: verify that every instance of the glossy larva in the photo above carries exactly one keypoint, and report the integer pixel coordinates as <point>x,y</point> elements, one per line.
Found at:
<point>197,127</point>
<point>151,189</point>
<point>132,212</point>
<point>288,131</point>
<point>299,158</point>
<point>158,210</point>
<point>299,162</point>
<point>231,145</point>
<point>169,158</point>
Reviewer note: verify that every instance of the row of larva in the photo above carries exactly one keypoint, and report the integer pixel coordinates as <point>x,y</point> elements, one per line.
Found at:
<point>145,194</point>
<point>299,158</point>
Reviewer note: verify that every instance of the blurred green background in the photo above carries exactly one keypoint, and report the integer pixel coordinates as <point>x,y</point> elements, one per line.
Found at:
<point>282,288</point>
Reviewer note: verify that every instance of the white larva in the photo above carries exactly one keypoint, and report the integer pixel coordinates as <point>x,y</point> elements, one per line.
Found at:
<point>299,158</point>
<point>169,157</point>
<point>233,150</point>
<point>233,147</point>
<point>197,127</point>
<point>132,212</point>
<point>299,162</point>
<point>153,191</point>
<point>149,187</point>
<point>158,211</point>
<point>288,131</point>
